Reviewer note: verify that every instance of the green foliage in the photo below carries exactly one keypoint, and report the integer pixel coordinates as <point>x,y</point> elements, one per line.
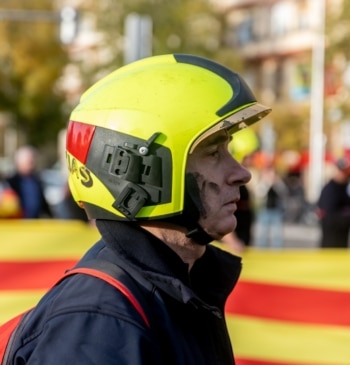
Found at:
<point>337,56</point>
<point>31,62</point>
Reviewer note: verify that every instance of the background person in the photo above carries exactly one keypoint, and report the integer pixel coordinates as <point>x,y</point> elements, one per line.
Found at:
<point>271,193</point>
<point>333,207</point>
<point>147,149</point>
<point>27,184</point>
<point>10,206</point>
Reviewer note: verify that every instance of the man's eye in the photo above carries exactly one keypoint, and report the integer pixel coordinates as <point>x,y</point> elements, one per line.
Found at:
<point>214,153</point>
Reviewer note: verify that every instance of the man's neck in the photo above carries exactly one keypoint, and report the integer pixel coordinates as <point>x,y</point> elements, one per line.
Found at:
<point>175,238</point>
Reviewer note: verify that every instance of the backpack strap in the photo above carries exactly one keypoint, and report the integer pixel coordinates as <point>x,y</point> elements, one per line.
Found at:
<point>101,269</point>
<point>8,335</point>
<point>101,274</point>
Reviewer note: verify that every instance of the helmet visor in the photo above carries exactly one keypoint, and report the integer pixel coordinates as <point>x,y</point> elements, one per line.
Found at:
<point>235,122</point>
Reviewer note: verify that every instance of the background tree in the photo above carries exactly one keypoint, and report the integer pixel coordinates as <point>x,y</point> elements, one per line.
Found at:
<point>337,76</point>
<point>31,62</point>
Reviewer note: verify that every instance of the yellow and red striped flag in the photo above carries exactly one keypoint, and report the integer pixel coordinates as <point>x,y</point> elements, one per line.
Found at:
<point>290,307</point>
<point>33,255</point>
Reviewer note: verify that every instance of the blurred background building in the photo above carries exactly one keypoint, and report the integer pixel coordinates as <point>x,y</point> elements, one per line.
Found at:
<point>292,58</point>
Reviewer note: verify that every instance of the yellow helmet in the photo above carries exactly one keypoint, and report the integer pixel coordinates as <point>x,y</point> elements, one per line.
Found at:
<point>129,137</point>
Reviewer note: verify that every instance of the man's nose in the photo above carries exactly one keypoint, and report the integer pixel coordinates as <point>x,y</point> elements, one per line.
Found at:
<point>239,174</point>
<point>247,175</point>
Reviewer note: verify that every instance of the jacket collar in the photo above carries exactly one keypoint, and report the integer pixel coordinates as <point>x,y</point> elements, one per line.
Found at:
<point>210,280</point>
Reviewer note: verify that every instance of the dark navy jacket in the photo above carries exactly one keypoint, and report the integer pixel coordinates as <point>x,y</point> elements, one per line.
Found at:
<point>86,321</point>
<point>31,195</point>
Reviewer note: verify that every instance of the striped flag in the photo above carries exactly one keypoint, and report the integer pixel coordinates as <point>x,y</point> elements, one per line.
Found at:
<point>33,255</point>
<point>290,307</point>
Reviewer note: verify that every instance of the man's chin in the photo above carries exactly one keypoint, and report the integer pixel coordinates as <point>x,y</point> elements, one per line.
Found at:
<point>229,225</point>
<point>222,230</point>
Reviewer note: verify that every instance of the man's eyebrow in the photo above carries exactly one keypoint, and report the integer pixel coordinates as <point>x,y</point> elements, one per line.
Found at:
<point>215,140</point>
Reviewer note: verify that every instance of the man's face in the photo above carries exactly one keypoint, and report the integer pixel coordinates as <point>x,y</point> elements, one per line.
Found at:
<point>25,162</point>
<point>215,178</point>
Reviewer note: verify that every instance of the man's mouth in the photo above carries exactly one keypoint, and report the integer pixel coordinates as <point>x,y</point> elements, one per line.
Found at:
<point>233,201</point>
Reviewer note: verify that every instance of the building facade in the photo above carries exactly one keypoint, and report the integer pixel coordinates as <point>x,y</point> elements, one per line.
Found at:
<point>283,46</point>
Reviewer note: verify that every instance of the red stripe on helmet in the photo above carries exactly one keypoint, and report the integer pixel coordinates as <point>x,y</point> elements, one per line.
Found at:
<point>79,137</point>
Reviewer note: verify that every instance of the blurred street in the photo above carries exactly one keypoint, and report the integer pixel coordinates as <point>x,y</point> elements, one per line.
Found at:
<point>301,236</point>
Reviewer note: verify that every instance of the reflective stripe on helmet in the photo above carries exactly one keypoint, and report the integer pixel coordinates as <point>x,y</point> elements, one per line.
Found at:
<point>79,137</point>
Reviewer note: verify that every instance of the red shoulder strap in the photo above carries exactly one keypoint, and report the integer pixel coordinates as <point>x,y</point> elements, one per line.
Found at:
<point>6,335</point>
<point>113,281</point>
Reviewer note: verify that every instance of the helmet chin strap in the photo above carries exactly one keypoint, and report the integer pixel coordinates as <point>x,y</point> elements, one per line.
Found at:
<point>194,230</point>
<point>191,213</point>
<point>199,235</point>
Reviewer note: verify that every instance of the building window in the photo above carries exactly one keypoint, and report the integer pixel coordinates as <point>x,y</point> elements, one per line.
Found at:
<point>284,18</point>
<point>245,32</point>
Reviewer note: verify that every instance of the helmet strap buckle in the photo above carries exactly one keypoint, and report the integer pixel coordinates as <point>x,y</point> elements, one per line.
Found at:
<point>131,199</point>
<point>199,235</point>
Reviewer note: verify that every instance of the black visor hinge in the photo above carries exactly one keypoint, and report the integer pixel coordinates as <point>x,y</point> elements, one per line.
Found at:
<point>130,200</point>
<point>142,149</point>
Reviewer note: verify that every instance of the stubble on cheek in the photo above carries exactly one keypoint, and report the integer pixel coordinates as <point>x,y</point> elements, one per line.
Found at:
<point>213,187</point>
<point>199,188</point>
